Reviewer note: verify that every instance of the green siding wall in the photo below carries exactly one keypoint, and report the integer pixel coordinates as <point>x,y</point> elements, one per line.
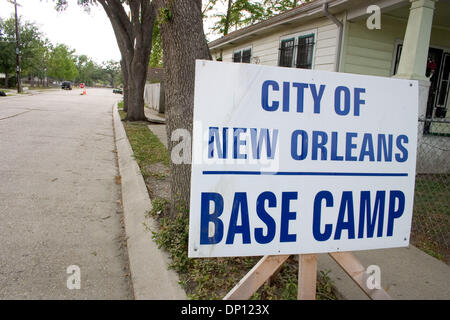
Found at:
<point>371,51</point>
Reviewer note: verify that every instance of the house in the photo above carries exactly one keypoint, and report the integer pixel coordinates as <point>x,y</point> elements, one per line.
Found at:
<point>412,42</point>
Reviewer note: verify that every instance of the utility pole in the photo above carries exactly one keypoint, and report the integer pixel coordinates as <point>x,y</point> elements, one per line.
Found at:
<point>19,80</point>
<point>18,71</point>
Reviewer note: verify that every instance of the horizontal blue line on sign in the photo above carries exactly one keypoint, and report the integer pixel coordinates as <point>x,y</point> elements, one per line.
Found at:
<point>284,173</point>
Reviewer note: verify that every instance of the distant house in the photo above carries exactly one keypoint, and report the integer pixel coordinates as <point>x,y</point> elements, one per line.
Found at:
<point>333,35</point>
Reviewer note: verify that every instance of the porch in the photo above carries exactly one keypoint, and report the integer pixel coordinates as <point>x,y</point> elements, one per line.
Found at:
<point>413,43</point>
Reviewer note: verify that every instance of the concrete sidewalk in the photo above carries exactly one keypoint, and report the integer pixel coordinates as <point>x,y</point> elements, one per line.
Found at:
<point>149,265</point>
<point>154,116</point>
<point>406,274</point>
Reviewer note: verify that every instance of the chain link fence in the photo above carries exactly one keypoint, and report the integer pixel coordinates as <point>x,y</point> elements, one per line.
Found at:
<point>431,219</point>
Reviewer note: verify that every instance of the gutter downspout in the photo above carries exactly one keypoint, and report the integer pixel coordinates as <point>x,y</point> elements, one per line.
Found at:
<point>340,26</point>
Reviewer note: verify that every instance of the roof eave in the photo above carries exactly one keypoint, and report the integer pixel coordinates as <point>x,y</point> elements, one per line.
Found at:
<point>307,10</point>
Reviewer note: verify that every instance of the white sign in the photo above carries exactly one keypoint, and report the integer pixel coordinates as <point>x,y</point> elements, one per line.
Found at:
<point>293,161</point>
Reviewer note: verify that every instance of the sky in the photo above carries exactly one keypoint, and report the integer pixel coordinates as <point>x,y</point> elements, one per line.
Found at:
<point>88,33</point>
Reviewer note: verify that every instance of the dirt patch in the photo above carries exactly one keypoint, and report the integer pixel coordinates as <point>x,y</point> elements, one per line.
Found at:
<point>157,180</point>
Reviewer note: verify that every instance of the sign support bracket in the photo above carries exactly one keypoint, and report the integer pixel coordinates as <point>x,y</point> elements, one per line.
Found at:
<point>307,276</point>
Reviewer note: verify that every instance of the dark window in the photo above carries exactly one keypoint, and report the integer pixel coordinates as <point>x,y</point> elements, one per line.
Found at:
<point>237,56</point>
<point>397,58</point>
<point>305,51</point>
<point>444,87</point>
<point>286,52</point>
<point>243,56</point>
<point>246,55</point>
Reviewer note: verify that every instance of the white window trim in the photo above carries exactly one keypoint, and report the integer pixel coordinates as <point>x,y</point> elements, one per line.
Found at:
<point>242,49</point>
<point>394,55</point>
<point>296,36</point>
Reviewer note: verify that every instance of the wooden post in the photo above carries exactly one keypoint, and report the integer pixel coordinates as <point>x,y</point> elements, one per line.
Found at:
<point>307,276</point>
<point>256,277</point>
<point>357,272</point>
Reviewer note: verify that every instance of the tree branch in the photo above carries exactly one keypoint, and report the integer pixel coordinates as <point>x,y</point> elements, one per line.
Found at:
<point>123,35</point>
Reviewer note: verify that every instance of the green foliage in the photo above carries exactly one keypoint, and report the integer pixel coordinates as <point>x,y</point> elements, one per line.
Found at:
<point>290,290</point>
<point>61,63</point>
<point>92,73</point>
<point>274,7</point>
<point>157,53</point>
<point>159,206</point>
<point>36,62</point>
<point>111,69</point>
<point>325,288</point>
<point>33,48</point>
<point>242,13</point>
<point>86,69</point>
<point>165,15</point>
<point>173,236</point>
<point>7,46</point>
<point>146,146</point>
<point>212,278</point>
<point>39,58</point>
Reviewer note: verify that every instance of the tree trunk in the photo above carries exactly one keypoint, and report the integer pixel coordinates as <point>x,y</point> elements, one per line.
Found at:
<point>183,41</point>
<point>136,92</point>
<point>134,38</point>
<point>6,80</point>
<point>227,18</point>
<point>125,84</point>
<point>137,78</point>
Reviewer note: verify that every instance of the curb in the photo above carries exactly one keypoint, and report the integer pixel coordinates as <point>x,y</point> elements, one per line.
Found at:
<point>151,278</point>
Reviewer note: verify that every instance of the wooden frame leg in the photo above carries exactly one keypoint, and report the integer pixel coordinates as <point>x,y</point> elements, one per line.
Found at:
<point>256,277</point>
<point>348,262</point>
<point>307,276</point>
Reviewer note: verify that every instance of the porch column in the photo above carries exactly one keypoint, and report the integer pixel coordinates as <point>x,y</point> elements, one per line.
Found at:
<point>413,61</point>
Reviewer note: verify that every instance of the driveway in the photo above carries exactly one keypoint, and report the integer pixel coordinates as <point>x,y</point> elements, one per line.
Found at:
<point>60,198</point>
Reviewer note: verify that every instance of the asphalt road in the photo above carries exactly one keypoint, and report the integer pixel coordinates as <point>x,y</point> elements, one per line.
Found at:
<point>59,198</point>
